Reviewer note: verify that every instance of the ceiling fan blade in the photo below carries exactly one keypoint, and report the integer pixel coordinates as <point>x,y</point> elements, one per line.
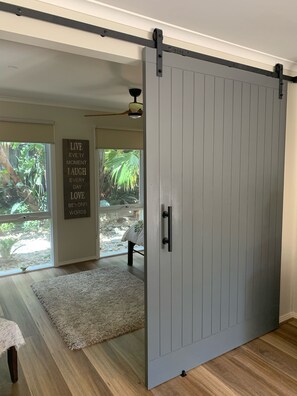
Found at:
<point>107,114</point>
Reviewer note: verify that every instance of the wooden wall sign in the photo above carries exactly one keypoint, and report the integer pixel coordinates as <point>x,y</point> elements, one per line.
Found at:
<point>76,178</point>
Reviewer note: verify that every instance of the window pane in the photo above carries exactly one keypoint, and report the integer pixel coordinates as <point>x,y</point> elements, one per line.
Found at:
<point>23,178</point>
<point>25,244</point>
<point>119,177</point>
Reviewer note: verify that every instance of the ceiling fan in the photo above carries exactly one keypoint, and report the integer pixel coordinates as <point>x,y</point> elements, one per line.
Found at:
<point>135,108</point>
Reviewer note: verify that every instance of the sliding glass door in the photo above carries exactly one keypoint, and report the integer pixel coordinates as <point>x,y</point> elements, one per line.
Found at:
<point>25,220</point>
<point>120,197</point>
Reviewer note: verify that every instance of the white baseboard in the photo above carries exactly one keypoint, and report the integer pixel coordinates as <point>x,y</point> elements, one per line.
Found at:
<point>287,316</point>
<point>75,261</point>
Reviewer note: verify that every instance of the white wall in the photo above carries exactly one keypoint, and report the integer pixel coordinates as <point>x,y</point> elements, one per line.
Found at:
<point>30,31</point>
<point>288,302</point>
<point>47,35</point>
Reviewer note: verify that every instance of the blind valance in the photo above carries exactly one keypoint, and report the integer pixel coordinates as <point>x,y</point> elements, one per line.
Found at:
<point>29,132</point>
<point>119,139</point>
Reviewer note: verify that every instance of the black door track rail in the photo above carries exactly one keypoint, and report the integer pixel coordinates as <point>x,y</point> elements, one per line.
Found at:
<point>156,42</point>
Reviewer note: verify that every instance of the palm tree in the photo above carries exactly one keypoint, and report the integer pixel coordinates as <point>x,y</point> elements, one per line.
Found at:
<point>123,166</point>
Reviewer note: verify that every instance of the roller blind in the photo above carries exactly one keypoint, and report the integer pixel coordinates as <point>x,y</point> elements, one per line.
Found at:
<point>31,132</point>
<point>118,139</point>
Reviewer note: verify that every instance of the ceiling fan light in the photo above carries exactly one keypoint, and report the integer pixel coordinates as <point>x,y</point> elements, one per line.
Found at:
<point>135,109</point>
<point>134,115</point>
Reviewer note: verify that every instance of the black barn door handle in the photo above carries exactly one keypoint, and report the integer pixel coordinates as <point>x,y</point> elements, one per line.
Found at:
<point>168,240</point>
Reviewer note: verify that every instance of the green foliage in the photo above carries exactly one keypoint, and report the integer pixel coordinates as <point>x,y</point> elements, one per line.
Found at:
<point>26,192</point>
<point>138,226</point>
<point>123,167</point>
<point>34,226</point>
<point>6,192</point>
<point>119,179</point>
<point>7,241</point>
<point>19,207</point>
<point>6,228</point>
<point>7,248</point>
<point>31,170</point>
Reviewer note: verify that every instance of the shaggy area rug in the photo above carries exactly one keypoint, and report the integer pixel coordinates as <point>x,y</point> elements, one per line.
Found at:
<point>93,306</point>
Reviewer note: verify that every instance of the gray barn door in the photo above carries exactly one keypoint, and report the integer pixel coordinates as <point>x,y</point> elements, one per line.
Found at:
<point>215,154</point>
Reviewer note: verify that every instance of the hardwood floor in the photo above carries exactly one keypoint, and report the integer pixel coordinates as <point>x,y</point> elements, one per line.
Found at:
<point>265,366</point>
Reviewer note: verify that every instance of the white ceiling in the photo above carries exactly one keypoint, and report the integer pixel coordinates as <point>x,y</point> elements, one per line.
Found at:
<point>35,74</point>
<point>30,73</point>
<point>268,26</point>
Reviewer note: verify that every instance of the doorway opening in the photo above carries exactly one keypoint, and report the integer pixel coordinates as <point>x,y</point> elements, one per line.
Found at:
<point>69,122</point>
<point>120,197</point>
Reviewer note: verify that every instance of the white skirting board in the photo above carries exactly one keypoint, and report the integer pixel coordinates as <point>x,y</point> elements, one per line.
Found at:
<point>287,316</point>
<point>75,261</point>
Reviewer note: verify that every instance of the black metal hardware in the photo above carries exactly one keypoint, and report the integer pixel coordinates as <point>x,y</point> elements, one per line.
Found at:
<point>183,373</point>
<point>158,38</point>
<point>225,62</point>
<point>168,240</point>
<point>71,23</point>
<point>131,250</point>
<point>279,71</point>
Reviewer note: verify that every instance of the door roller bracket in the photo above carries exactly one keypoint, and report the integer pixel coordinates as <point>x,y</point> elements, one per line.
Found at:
<point>158,39</point>
<point>279,70</point>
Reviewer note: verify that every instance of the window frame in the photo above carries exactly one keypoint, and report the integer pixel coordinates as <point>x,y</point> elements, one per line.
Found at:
<point>30,216</point>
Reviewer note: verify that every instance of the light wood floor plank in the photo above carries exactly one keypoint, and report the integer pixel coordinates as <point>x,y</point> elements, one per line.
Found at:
<point>276,381</point>
<point>75,368</point>
<point>292,322</point>
<point>280,343</point>
<point>288,332</point>
<point>209,383</point>
<point>14,308</point>
<point>179,386</point>
<point>6,387</point>
<point>115,371</point>
<point>266,366</point>
<point>274,357</point>
<point>42,374</point>
<point>237,378</point>
<point>131,348</point>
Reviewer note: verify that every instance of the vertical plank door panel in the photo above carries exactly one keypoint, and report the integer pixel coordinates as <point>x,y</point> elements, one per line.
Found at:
<point>214,150</point>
